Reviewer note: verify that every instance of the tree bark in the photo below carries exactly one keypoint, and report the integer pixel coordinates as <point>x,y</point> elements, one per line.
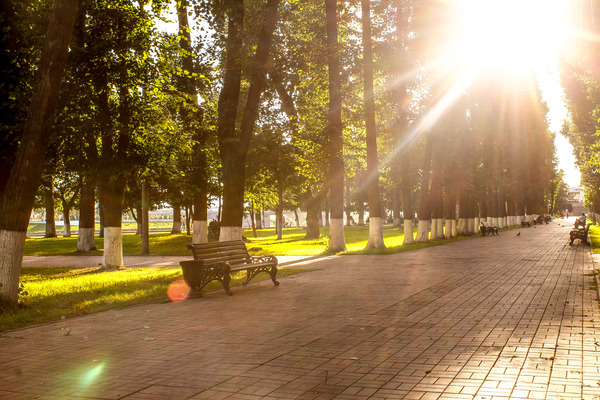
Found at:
<point>336,162</point>
<point>16,200</point>
<point>192,117</point>
<point>50,217</point>
<point>279,217</point>
<point>402,127</point>
<point>67,218</point>
<point>425,201</point>
<point>145,219</point>
<point>376,224</point>
<point>87,217</point>
<point>313,210</point>
<point>176,219</point>
<point>112,193</point>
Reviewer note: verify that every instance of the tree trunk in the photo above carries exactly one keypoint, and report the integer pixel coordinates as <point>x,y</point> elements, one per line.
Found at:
<point>136,213</point>
<point>176,219</point>
<point>296,218</point>
<point>425,200</point>
<point>87,217</point>
<point>112,194</point>
<point>187,220</point>
<point>66,215</point>
<point>313,210</point>
<point>18,194</point>
<point>145,220</point>
<point>259,219</point>
<point>336,162</point>
<point>375,210</point>
<point>279,217</point>
<point>252,220</point>
<point>396,218</point>
<point>192,117</point>
<point>312,222</point>
<point>348,212</point>
<point>50,218</point>
<point>361,213</point>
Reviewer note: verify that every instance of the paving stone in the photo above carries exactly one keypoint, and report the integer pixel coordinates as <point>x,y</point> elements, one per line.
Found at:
<point>484,318</point>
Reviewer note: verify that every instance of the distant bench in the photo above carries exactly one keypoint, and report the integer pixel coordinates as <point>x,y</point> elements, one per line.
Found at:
<point>579,233</point>
<point>215,261</point>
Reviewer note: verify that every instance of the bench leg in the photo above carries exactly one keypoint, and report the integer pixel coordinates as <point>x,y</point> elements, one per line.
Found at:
<point>226,280</point>
<point>273,274</point>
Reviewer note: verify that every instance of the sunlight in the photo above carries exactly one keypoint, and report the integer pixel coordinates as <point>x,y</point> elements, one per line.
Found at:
<point>511,33</point>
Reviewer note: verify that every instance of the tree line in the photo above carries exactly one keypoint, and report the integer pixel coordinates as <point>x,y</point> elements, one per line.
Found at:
<point>312,104</point>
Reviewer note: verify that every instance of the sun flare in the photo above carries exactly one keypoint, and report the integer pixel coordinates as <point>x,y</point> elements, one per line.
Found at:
<point>512,33</point>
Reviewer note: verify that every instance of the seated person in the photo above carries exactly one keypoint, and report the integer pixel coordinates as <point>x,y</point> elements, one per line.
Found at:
<point>581,221</point>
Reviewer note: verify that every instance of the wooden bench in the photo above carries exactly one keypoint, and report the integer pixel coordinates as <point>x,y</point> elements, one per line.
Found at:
<point>579,233</point>
<point>215,261</point>
<point>525,222</point>
<point>488,230</point>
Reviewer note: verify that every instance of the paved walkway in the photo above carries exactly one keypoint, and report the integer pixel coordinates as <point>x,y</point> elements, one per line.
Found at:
<point>508,317</point>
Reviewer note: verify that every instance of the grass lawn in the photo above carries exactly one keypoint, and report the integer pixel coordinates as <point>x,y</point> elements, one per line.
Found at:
<point>292,244</point>
<point>595,238</point>
<point>59,293</point>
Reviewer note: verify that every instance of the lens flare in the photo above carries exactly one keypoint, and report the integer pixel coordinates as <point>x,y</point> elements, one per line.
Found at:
<point>90,376</point>
<point>178,290</point>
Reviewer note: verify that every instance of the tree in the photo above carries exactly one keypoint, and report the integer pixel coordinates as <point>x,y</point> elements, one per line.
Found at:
<point>234,143</point>
<point>334,128</point>
<point>17,195</point>
<point>375,211</point>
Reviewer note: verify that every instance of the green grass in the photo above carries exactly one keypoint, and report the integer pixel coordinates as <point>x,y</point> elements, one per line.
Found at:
<point>60,293</point>
<point>292,244</point>
<point>594,233</point>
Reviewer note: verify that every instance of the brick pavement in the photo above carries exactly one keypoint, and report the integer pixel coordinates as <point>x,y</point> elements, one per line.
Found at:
<point>486,318</point>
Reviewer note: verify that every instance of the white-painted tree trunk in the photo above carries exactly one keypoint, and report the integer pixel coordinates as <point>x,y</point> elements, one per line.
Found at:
<point>423,231</point>
<point>85,239</point>
<point>472,225</point>
<point>200,231</point>
<point>376,233</point>
<point>397,221</point>
<point>495,222</point>
<point>176,227</point>
<point>228,233</point>
<point>440,228</point>
<point>409,237</point>
<point>463,227</point>
<point>113,247</point>
<point>434,229</point>
<point>11,257</point>
<point>448,227</point>
<point>489,221</point>
<point>337,242</point>
<point>454,229</point>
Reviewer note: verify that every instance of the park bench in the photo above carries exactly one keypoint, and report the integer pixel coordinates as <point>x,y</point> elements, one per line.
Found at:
<point>488,230</point>
<point>524,223</point>
<point>216,261</point>
<point>579,233</point>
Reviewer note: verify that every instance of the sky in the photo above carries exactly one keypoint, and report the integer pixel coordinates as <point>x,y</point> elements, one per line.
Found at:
<point>552,94</point>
